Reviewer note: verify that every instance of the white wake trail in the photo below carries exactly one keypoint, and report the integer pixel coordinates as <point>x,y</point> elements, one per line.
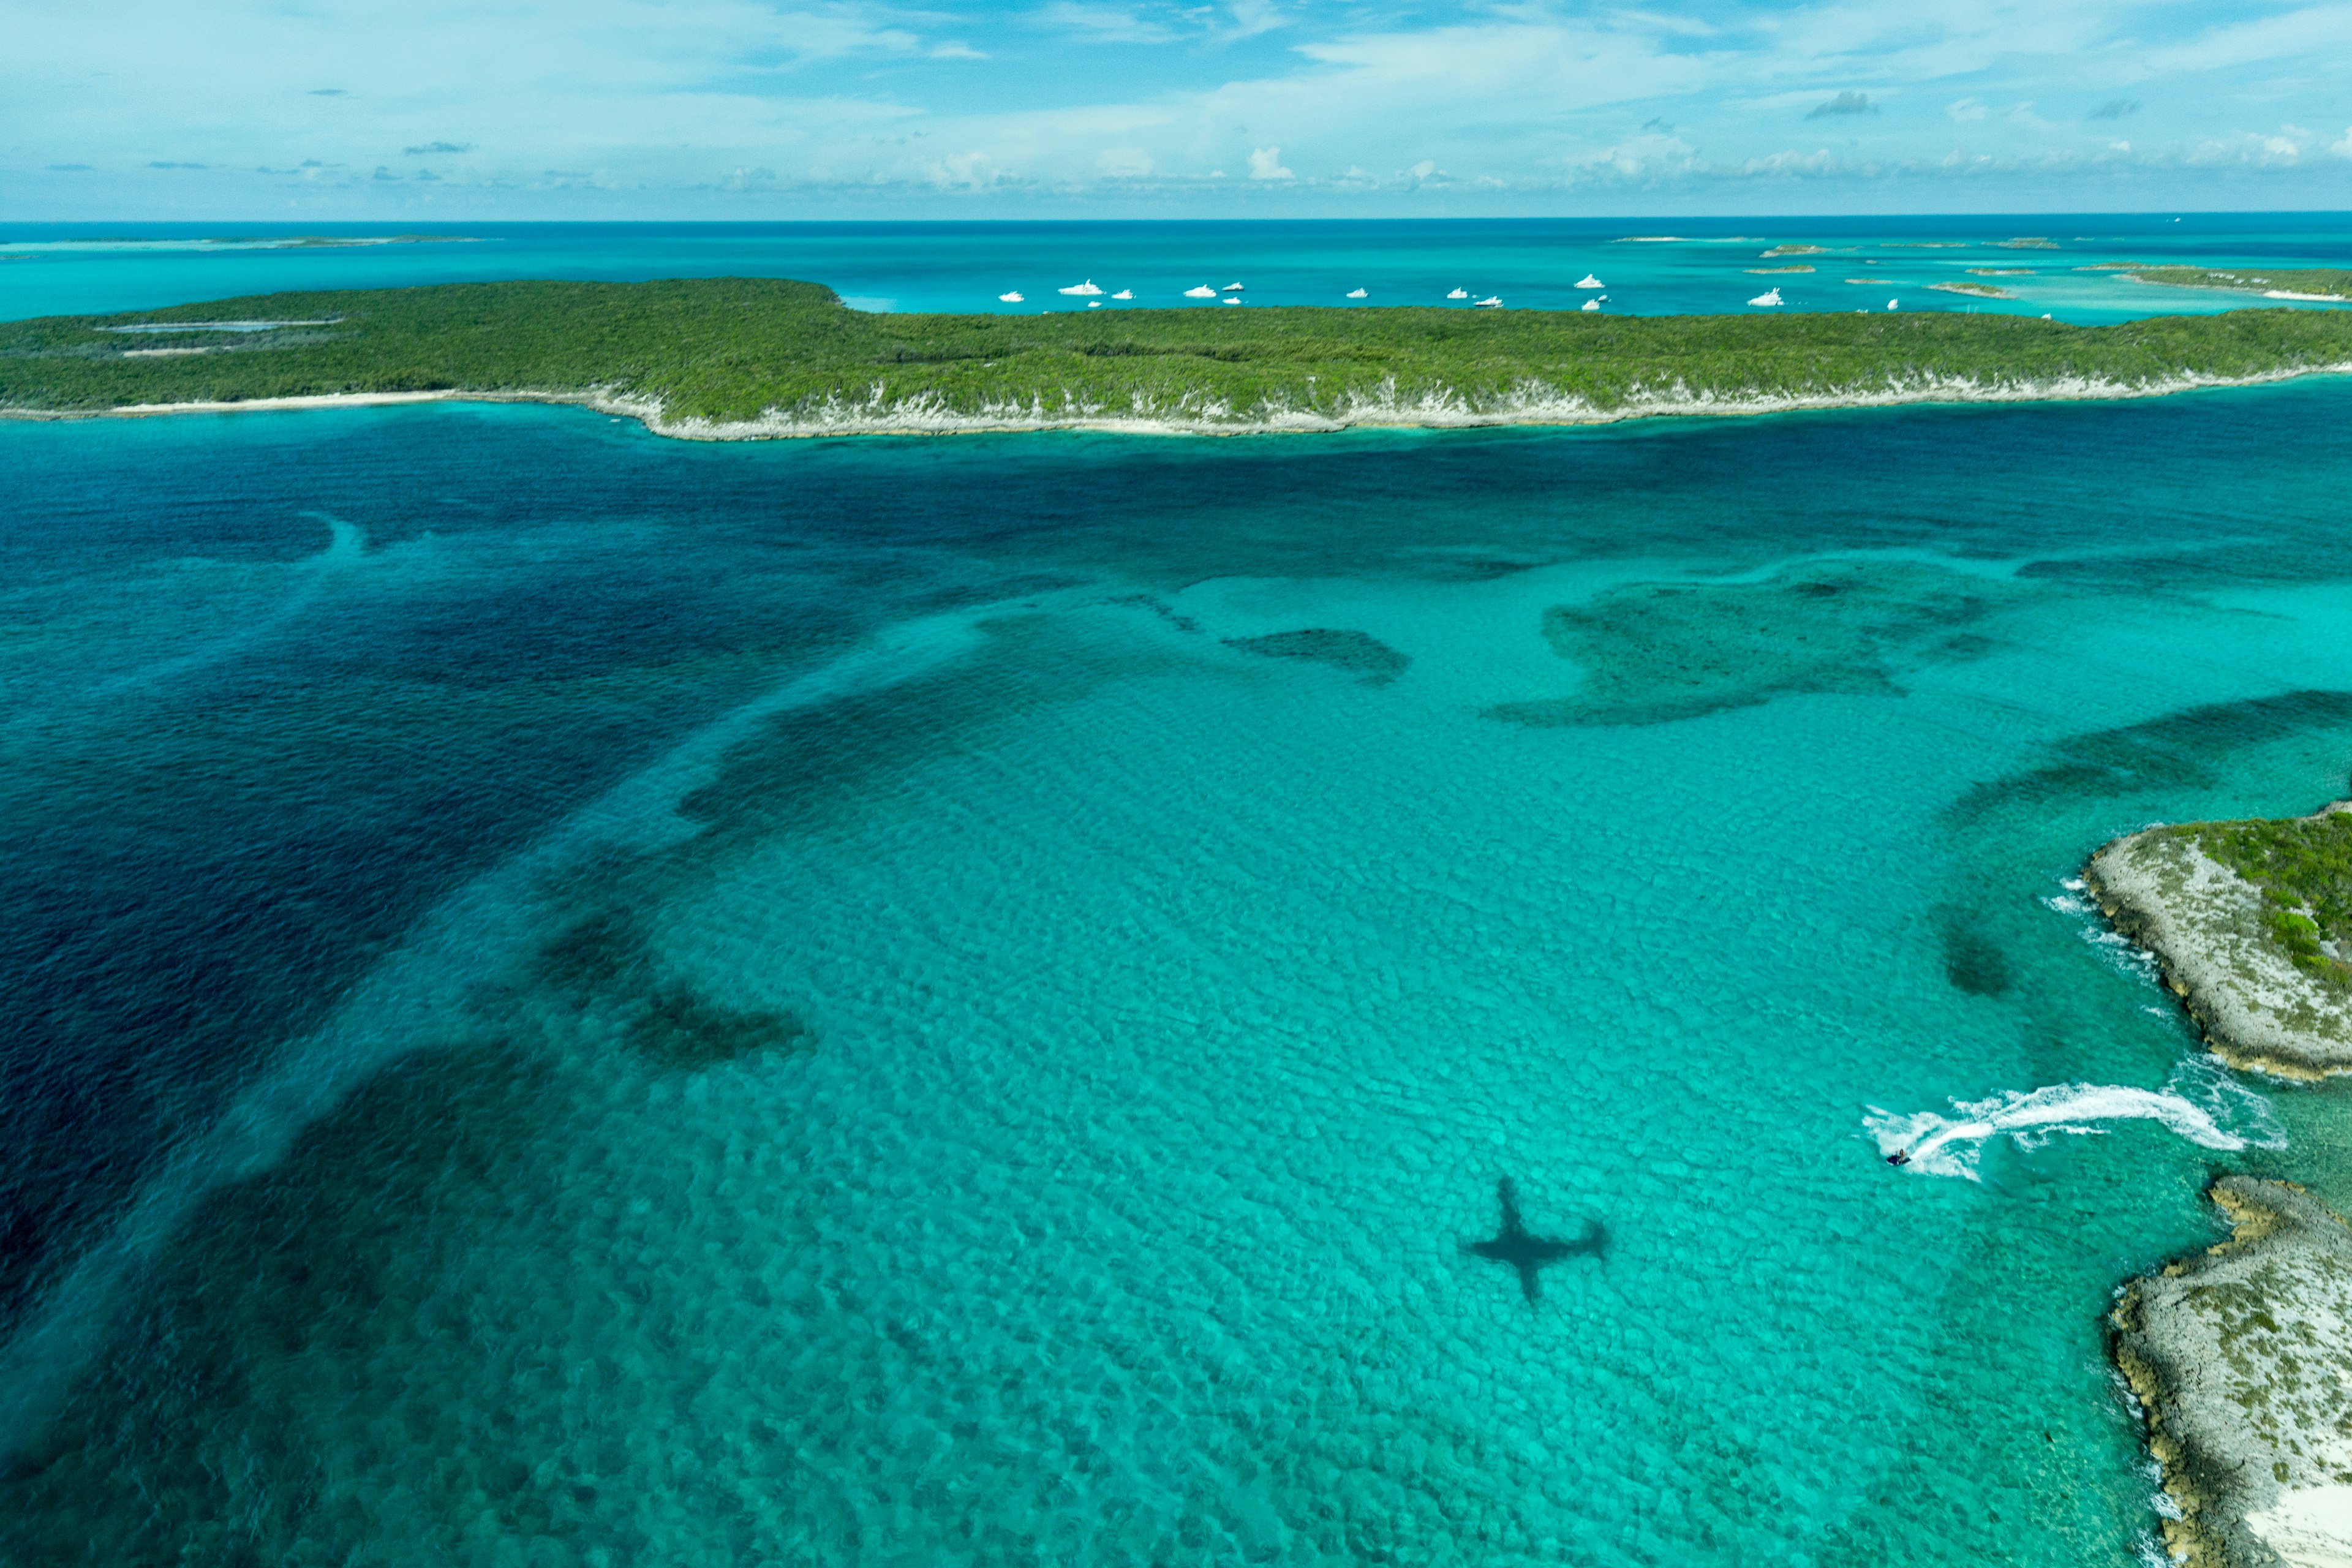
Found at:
<point>1950,1145</point>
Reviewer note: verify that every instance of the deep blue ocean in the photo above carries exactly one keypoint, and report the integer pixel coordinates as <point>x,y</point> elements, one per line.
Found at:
<point>583,999</point>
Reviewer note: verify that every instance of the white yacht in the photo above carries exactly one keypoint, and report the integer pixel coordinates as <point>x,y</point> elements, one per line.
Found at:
<point>1086,287</point>
<point>1592,304</point>
<point>1094,304</point>
<point>1491,302</point>
<point>1012,298</point>
<point>1769,297</point>
<point>1590,281</point>
<point>1890,304</point>
<point>1202,292</point>
<point>1123,294</point>
<point>1229,299</point>
<point>1358,294</point>
<point>1232,288</point>
<point>1459,294</point>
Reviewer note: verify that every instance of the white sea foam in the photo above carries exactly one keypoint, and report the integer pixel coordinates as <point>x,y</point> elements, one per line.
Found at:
<point>2123,953</point>
<point>2119,950</point>
<point>2198,1104</point>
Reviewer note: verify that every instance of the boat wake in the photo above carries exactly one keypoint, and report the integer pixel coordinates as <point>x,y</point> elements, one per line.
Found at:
<point>2198,1104</point>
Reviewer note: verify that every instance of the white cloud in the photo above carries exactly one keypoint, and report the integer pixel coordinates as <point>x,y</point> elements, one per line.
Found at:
<point>862,95</point>
<point>967,170</point>
<point>1248,18</point>
<point>2314,33</point>
<point>1103,24</point>
<point>1646,156</point>
<point>1791,161</point>
<point>2240,151</point>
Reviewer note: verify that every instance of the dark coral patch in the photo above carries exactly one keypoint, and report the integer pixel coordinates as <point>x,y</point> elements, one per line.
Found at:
<point>604,966</point>
<point>1656,652</point>
<point>2179,751</point>
<point>680,1028</point>
<point>1974,964</point>
<point>1358,651</point>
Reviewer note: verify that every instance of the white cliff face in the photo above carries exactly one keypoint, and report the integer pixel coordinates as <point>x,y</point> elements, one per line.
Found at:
<point>2212,931</point>
<point>2243,1356</point>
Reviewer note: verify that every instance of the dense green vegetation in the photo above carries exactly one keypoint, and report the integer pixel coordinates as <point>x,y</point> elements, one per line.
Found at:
<point>2326,280</point>
<point>738,348</point>
<point>2304,867</point>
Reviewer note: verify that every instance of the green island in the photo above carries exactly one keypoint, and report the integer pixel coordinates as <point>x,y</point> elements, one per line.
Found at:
<point>2304,867</point>
<point>2235,1353</point>
<point>730,357</point>
<point>2252,921</point>
<point>2277,283</point>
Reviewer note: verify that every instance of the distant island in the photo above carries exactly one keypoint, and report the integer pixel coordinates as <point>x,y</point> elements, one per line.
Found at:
<point>732,358</point>
<point>2315,283</point>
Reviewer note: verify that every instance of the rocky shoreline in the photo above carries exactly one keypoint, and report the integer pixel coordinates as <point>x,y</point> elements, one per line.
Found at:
<point>1530,405</point>
<point>2211,932</point>
<point>2242,1355</point>
<point>2239,1358</point>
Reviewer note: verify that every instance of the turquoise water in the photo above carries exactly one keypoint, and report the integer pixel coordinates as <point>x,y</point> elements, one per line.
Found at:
<point>1709,266</point>
<point>583,999</point>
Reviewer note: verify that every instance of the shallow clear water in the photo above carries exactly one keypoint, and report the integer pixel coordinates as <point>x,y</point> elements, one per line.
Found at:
<point>583,999</point>
<point>1709,266</point>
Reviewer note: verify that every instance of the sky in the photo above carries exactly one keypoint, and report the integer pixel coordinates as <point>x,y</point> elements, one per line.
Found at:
<point>330,110</point>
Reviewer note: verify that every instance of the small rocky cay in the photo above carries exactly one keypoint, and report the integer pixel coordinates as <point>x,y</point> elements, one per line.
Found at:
<point>2242,1355</point>
<point>2251,923</point>
<point>2242,1362</point>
